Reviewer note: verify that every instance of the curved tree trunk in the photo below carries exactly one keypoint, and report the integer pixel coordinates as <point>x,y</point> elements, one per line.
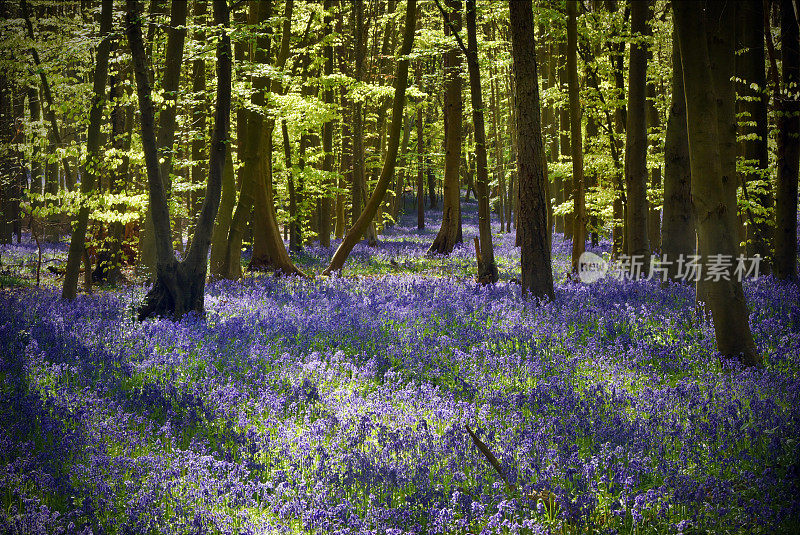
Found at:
<point>179,286</point>
<point>90,173</point>
<point>716,221</point>
<point>449,233</point>
<point>533,229</point>
<point>401,81</point>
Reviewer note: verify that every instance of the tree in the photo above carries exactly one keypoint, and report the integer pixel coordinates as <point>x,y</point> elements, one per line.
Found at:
<point>788,123</point>
<point>716,221</point>
<point>69,289</point>
<point>176,35</point>
<point>179,286</point>
<point>637,244</point>
<point>450,232</point>
<point>677,232</point>
<point>534,231</point>
<point>401,81</point>
<point>487,269</point>
<point>576,140</point>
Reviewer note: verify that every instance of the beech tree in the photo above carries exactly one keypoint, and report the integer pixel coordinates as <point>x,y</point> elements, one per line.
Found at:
<point>179,286</point>
<point>533,229</point>
<point>716,220</point>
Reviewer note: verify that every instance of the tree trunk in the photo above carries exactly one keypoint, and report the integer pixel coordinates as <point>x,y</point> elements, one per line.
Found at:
<point>179,286</point>
<point>576,140</point>
<point>401,81</point>
<point>637,244</point>
<point>487,269</point>
<point>716,221</point>
<point>677,232</point>
<point>199,111</point>
<point>449,233</point>
<point>752,110</point>
<point>325,202</point>
<point>420,161</point>
<point>654,217</point>
<point>564,184</point>
<point>69,288</point>
<point>788,123</point>
<point>533,229</point>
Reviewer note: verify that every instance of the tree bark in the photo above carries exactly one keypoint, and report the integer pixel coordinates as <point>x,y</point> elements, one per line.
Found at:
<point>637,244</point>
<point>91,170</point>
<point>716,221</point>
<point>179,286</point>
<point>176,35</point>
<point>199,111</point>
<point>678,230</point>
<point>326,201</point>
<point>420,161</point>
<point>788,106</point>
<point>564,184</point>
<point>576,139</point>
<point>487,268</point>
<point>401,81</point>
<point>533,228</point>
<point>449,233</point>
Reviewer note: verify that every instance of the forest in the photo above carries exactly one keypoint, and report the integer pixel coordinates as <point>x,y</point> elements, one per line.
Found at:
<point>397,267</point>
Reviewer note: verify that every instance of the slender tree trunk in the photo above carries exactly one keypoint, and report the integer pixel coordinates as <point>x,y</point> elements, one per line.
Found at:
<point>401,81</point>
<point>637,244</point>
<point>420,161</point>
<point>180,286</point>
<point>487,269</point>
<point>449,233</point>
<point>752,110</point>
<point>678,231</point>
<point>565,184</point>
<point>654,218</point>
<point>69,288</point>
<point>199,111</point>
<point>716,221</point>
<point>576,139</point>
<point>785,263</point>
<point>533,229</point>
<point>327,138</point>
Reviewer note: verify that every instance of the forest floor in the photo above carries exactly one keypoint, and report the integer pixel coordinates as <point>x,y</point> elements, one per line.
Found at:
<point>341,404</point>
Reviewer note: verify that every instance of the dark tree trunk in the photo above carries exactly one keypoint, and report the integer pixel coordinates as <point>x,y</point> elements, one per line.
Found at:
<point>637,243</point>
<point>401,81</point>
<point>576,139</point>
<point>176,35</point>
<point>677,232</point>
<point>785,263</point>
<point>199,111</point>
<point>533,230</point>
<point>327,138</point>
<point>449,233</point>
<point>179,286</point>
<point>716,221</point>
<point>420,160</point>
<point>752,111</point>
<point>90,173</point>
